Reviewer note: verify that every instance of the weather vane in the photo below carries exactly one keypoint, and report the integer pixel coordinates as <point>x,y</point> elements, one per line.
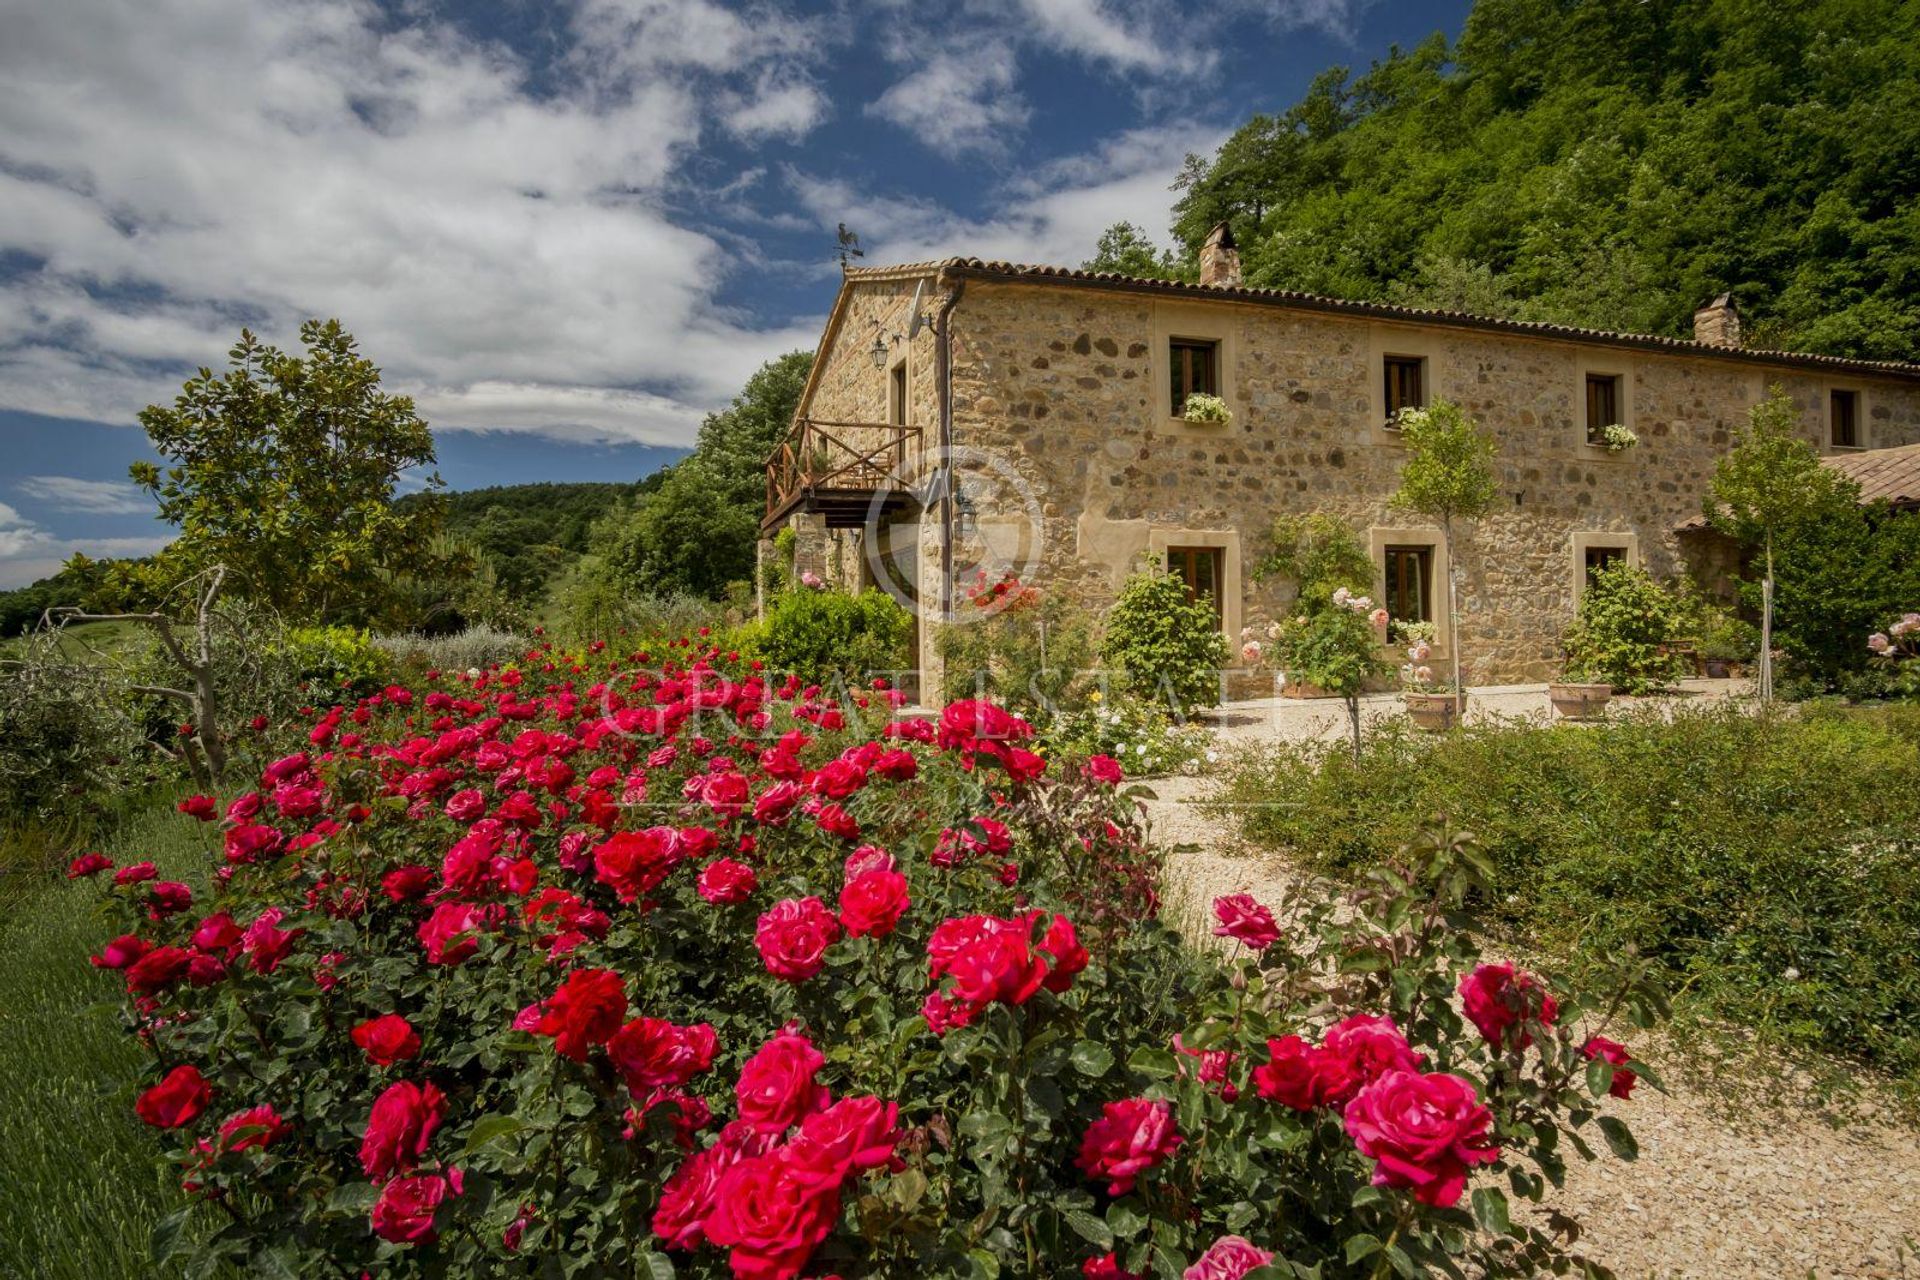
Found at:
<point>849,247</point>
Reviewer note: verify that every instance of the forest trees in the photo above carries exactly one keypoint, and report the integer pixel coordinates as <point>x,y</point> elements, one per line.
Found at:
<point>1610,163</point>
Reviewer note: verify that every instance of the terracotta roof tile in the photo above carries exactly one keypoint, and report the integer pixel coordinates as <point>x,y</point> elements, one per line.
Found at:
<point>1026,273</point>
<point>1892,474</point>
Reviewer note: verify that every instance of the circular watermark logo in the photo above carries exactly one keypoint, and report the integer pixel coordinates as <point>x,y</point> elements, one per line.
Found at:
<point>998,530</point>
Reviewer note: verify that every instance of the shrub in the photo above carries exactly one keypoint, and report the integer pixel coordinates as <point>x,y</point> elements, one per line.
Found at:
<point>454,1011</point>
<point>1319,554</point>
<point>342,660</point>
<point>817,632</point>
<point>1769,863</point>
<point>1028,650</point>
<point>1165,644</point>
<point>1140,734</point>
<point>1336,646</point>
<point>1623,631</point>
<point>66,740</point>
<point>474,649</point>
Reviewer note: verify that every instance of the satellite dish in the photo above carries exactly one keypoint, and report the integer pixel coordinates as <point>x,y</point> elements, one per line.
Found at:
<point>918,319</point>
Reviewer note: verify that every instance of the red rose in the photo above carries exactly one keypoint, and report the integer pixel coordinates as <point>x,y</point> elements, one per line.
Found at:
<point>1245,920</point>
<point>168,897</point>
<point>88,864</point>
<point>770,1220</point>
<point>158,970</point>
<point>138,873</point>
<point>266,943</point>
<point>872,903</point>
<point>466,806</point>
<point>988,959</point>
<point>121,953</point>
<point>177,1100</point>
<point>1292,1075</point>
<point>1106,1267</point>
<point>217,932</point>
<point>584,1012</point>
<point>1498,998</point>
<point>387,1039</point>
<point>853,1134</point>
<point>652,1053</point>
<point>725,793</point>
<point>1105,769</point>
<point>449,935</point>
<point>404,1212</point>
<point>1062,943</point>
<point>1131,1136</point>
<point>635,863</point>
<point>256,1127</point>
<point>1423,1131</point>
<point>838,823</point>
<point>201,807</point>
<point>776,1086</point>
<point>1021,764</point>
<point>896,765</point>
<point>1616,1053</point>
<point>794,936</point>
<point>776,804</point>
<point>687,1198</point>
<point>405,883</point>
<point>725,883</point>
<point>1358,1051</point>
<point>401,1126</point>
<point>838,779</point>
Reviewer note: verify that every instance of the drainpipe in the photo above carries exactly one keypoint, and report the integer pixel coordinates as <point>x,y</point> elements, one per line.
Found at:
<point>943,380</point>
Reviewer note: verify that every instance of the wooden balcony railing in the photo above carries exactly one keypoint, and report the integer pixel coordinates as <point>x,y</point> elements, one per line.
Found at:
<point>837,469</point>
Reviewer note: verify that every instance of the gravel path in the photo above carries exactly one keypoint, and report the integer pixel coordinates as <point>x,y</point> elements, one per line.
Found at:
<point>1723,1187</point>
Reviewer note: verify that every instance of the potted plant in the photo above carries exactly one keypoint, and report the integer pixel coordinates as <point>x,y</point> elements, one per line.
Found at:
<point>1577,697</point>
<point>1621,638</point>
<point>1202,409</point>
<point>1447,477</point>
<point>1431,705</point>
<point>1615,438</point>
<point>1726,643</point>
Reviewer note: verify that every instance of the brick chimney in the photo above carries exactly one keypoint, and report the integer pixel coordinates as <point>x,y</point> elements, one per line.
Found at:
<point>1220,258</point>
<point>1717,324</point>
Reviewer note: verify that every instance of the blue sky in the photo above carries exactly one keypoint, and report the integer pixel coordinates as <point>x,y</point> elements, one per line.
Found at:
<point>568,228</point>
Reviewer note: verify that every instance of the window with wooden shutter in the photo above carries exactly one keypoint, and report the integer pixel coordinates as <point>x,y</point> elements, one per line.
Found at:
<point>1409,576</point>
<point>1843,417</point>
<point>1603,405</point>
<point>1406,384</point>
<point>1202,569</point>
<point>1195,369</point>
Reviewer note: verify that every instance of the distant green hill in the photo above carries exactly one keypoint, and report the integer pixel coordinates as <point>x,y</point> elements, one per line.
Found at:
<point>1611,163</point>
<point>531,533</point>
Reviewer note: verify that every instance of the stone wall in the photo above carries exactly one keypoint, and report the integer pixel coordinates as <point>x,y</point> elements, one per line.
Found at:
<point>1063,384</point>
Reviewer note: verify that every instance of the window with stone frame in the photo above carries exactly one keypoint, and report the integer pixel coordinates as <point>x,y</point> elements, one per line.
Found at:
<point>1843,419</point>
<point>1202,569</point>
<point>1406,384</point>
<point>1409,584</point>
<point>1603,405</point>
<point>1193,368</point>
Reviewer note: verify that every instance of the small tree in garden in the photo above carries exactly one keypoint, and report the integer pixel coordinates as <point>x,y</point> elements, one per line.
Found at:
<point>1770,481</point>
<point>1336,646</point>
<point>1448,477</point>
<point>1318,553</point>
<point>1166,644</point>
<point>283,470</point>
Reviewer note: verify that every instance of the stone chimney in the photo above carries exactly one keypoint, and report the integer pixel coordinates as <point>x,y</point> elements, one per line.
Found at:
<point>1717,324</point>
<point>1220,258</point>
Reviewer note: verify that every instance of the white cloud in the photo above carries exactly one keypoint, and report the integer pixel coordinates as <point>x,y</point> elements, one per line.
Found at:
<point>961,98</point>
<point>1089,29</point>
<point>94,497</point>
<point>29,553</point>
<point>791,110</point>
<point>183,166</point>
<point>1052,216</point>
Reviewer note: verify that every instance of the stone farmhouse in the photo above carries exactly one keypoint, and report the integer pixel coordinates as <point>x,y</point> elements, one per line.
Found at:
<point>963,416</point>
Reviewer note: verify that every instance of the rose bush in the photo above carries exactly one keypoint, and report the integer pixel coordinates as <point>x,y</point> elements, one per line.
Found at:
<point>605,967</point>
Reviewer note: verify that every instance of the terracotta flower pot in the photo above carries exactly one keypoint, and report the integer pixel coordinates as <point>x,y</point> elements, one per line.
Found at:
<point>1577,701</point>
<point>1436,712</point>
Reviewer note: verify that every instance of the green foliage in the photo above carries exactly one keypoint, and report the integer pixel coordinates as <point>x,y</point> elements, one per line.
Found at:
<point>343,661</point>
<point>1124,249</point>
<point>697,532</point>
<point>816,632</point>
<point>1139,734</point>
<point>1726,637</point>
<point>1769,863</point>
<point>1165,646</point>
<point>1026,650</point>
<point>284,469</point>
<point>1623,630</point>
<point>1448,472</point>
<point>66,740</point>
<point>1332,646</point>
<point>1772,478</point>
<point>1611,164</point>
<point>474,649</point>
<point>528,535</point>
<point>1837,577</point>
<point>1319,554</point>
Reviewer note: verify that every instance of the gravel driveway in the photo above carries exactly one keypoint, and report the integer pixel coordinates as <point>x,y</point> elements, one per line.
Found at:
<point>1723,1187</point>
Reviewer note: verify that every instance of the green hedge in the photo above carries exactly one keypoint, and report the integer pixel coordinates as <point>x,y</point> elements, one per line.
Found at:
<point>1771,865</point>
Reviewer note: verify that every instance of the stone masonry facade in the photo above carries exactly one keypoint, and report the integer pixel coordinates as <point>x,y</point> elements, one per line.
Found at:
<point>1064,380</point>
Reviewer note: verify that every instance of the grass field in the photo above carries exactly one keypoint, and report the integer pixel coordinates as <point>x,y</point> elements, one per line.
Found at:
<point>80,1188</point>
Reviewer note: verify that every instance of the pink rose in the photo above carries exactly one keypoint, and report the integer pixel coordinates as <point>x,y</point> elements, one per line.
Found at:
<point>1424,1133</point>
<point>1246,920</point>
<point>1229,1258</point>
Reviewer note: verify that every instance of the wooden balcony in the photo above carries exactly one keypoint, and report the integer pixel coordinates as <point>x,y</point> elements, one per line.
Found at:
<point>841,470</point>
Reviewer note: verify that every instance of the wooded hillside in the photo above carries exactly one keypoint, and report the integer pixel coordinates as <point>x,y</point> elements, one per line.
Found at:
<point>1611,163</point>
